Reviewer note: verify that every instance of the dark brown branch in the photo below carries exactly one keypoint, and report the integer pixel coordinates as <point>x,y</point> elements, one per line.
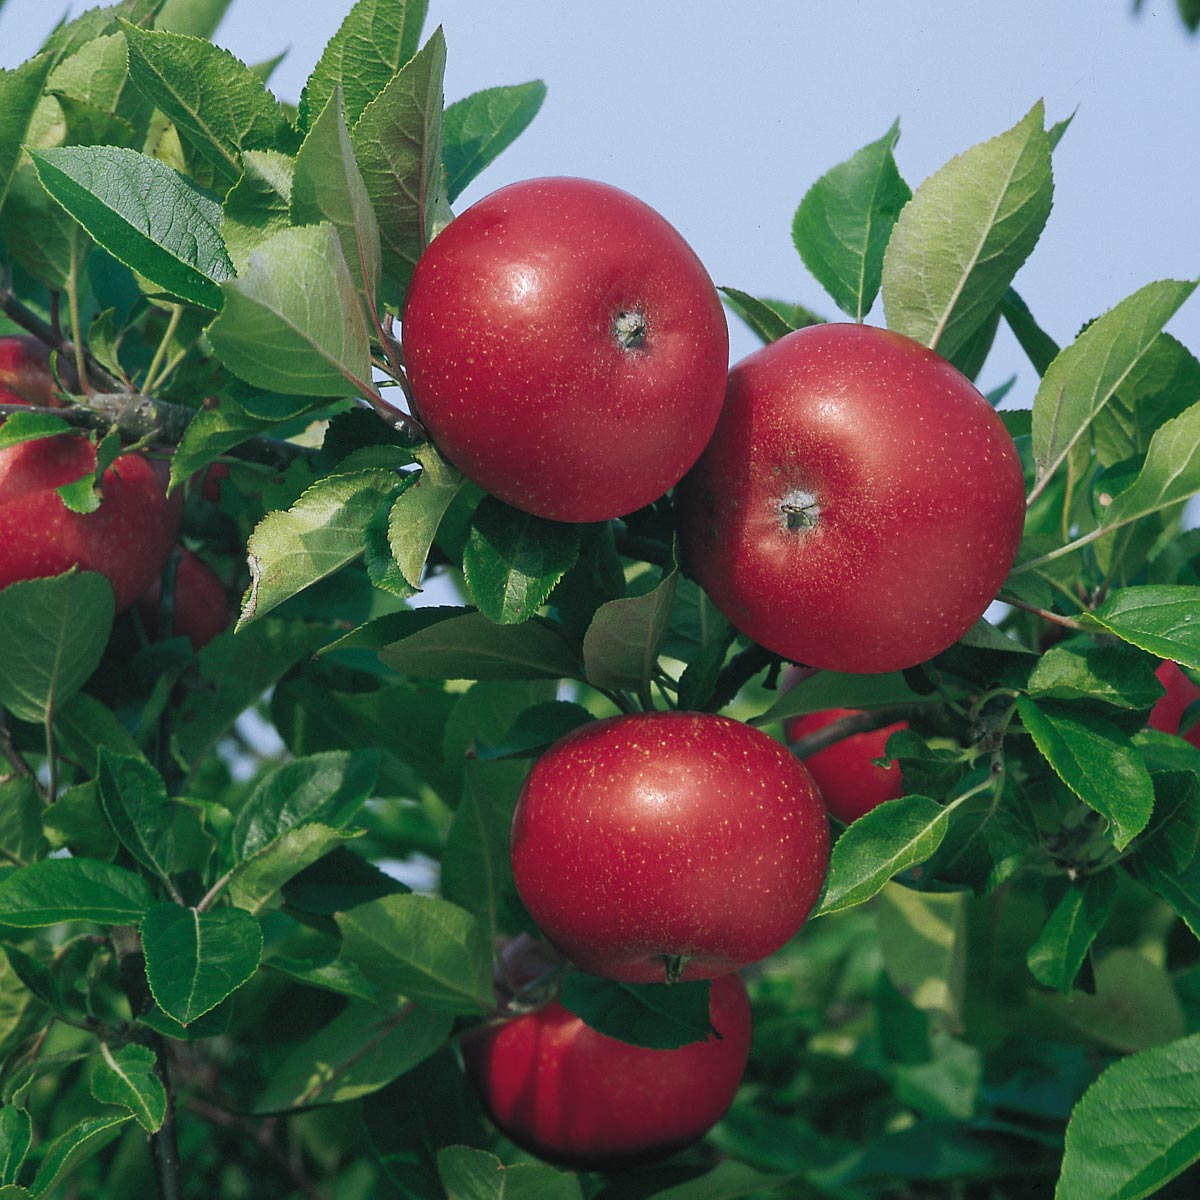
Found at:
<point>844,727</point>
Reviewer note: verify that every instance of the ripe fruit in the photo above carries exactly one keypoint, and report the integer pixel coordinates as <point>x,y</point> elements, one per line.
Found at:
<point>1168,712</point>
<point>859,504</point>
<point>845,772</point>
<point>127,538</point>
<point>650,843</point>
<point>568,1093</point>
<point>201,607</point>
<point>566,349</point>
<point>25,372</point>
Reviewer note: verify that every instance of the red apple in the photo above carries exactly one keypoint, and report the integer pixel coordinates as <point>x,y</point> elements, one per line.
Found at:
<point>648,843</point>
<point>127,539</point>
<point>25,373</point>
<point>566,348</point>
<point>201,606</point>
<point>570,1094</point>
<point>859,504</point>
<point>1168,711</point>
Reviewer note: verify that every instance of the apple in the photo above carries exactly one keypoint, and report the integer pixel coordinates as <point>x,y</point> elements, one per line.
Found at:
<point>201,606</point>
<point>566,349</point>
<point>668,845</point>
<point>25,376</point>
<point>859,504</point>
<point>127,539</point>
<point>568,1093</point>
<point>1168,711</point>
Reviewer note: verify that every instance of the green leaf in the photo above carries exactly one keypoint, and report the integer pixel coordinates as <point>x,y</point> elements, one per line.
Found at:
<point>218,104</point>
<point>1088,373</point>
<point>292,321</point>
<point>1040,348</point>
<point>964,235</point>
<point>36,977</point>
<point>885,841</point>
<point>16,1136</point>
<point>72,889</point>
<point>923,938</point>
<point>429,950</point>
<point>660,1016</point>
<point>418,511</point>
<point>30,427</point>
<point>39,234</point>
<point>329,788</point>
<point>362,1049</point>
<point>1117,675</point>
<point>768,320</point>
<point>258,205</point>
<point>398,144</point>
<point>480,126</point>
<point>339,880</point>
<point>195,959</point>
<point>1159,619</point>
<point>20,93</point>
<point>843,224</point>
<point>469,646</point>
<point>1136,1127</point>
<point>513,560</point>
<point>1179,887</point>
<point>71,36</point>
<point>52,635</point>
<point>374,41</point>
<point>134,798</point>
<point>621,646</point>
<point>827,689</point>
<point>195,18</point>
<point>1170,474</point>
<point>469,1174</point>
<point>258,878</point>
<point>78,1144</point>
<point>1173,835</point>
<point>328,186</point>
<point>324,530</point>
<point>213,431</point>
<point>1058,953</point>
<point>130,1078</point>
<point>21,819</point>
<point>1096,761</point>
<point>535,730</point>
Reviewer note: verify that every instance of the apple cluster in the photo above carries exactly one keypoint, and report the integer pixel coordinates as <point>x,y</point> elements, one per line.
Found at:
<point>847,499</point>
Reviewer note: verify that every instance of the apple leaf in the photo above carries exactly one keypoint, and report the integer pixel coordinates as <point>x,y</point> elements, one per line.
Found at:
<point>769,320</point>
<point>337,881</point>
<point>218,104</point>
<point>1160,619</point>
<point>535,730</point>
<point>513,560</point>
<point>965,233</point>
<point>885,841</point>
<point>329,788</point>
<point>1088,373</point>
<point>418,511</point>
<point>398,144</point>
<point>16,1136</point>
<point>291,549</point>
<point>211,432</point>
<point>20,819</point>
<point>129,1078</point>
<point>374,41</point>
<point>361,1050</point>
<point>20,92</point>
<point>469,1174</point>
<point>1173,835</point>
<point>96,76</point>
<point>52,636</point>
<point>258,205</point>
<point>292,321</point>
<point>329,186</point>
<point>30,427</point>
<point>195,959</point>
<point>71,36</point>
<point>257,878</point>
<point>195,18</point>
<point>72,889</point>
<point>621,646</point>
<point>1040,348</point>
<point>1055,958</point>
<point>659,1016</point>
<point>1136,1127</point>
<point>843,224</point>
<point>1096,761</point>
<point>481,126</point>
<point>424,948</point>
<point>79,1143</point>
<point>828,689</point>
<point>1117,675</point>
<point>134,798</point>
<point>39,233</point>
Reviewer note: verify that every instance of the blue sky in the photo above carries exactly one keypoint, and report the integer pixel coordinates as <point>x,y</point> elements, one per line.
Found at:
<point>721,116</point>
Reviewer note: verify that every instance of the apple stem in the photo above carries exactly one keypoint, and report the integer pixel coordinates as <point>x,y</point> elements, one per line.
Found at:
<point>1046,615</point>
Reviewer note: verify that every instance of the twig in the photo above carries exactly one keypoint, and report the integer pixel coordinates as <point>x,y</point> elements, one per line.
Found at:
<point>844,727</point>
<point>168,1168</point>
<point>15,758</point>
<point>1046,615</point>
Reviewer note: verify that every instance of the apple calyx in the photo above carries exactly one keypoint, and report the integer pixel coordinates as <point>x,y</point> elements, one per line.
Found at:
<point>676,964</point>
<point>798,509</point>
<point>629,328</point>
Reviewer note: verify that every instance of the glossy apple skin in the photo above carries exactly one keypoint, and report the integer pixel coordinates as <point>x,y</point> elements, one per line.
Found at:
<point>201,606</point>
<point>918,490</point>
<point>1167,713</point>
<point>845,772</point>
<point>572,1095</point>
<point>644,837</point>
<point>516,368</point>
<point>127,539</point>
<point>25,373</point>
